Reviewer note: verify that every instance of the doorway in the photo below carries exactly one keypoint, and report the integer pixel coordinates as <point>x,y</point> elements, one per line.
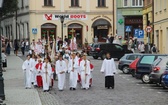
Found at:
<point>76,30</point>
<point>48,29</point>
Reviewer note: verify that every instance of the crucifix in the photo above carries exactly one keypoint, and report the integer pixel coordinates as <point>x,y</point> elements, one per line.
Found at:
<point>72,32</point>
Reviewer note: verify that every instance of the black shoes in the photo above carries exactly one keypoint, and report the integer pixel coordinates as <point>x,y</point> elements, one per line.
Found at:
<point>72,88</point>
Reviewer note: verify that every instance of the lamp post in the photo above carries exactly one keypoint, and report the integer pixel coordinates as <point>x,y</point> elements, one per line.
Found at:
<point>62,21</point>
<point>2,94</point>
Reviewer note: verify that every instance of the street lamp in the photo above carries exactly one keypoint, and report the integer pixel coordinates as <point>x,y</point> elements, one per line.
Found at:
<point>62,21</point>
<point>2,94</point>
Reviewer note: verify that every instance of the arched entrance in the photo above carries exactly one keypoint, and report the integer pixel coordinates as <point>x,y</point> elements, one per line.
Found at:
<point>76,30</point>
<point>48,29</point>
<point>101,29</point>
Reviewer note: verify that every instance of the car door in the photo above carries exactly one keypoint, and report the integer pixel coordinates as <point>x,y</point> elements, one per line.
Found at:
<point>118,51</point>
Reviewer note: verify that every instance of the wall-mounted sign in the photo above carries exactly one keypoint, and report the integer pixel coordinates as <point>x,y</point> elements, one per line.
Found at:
<point>102,27</point>
<point>66,16</point>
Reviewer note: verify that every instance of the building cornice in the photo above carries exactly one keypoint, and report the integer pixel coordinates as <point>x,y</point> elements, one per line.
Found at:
<point>161,21</point>
<point>71,12</point>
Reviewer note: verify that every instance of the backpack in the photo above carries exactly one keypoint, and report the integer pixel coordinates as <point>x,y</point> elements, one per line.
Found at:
<point>154,49</point>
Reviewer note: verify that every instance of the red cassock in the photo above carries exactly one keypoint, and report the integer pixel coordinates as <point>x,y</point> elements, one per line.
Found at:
<point>91,68</point>
<point>39,77</point>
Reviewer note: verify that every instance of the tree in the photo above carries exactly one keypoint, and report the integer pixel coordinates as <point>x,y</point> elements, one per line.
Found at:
<point>9,7</point>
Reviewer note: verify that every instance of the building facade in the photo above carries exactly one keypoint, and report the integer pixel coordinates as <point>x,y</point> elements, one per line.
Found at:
<point>82,18</point>
<point>20,19</point>
<point>148,20</point>
<point>129,13</point>
<point>161,25</point>
<point>85,19</point>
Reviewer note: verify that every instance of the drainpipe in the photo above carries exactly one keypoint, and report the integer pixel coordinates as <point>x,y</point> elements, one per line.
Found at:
<point>113,19</point>
<point>153,21</point>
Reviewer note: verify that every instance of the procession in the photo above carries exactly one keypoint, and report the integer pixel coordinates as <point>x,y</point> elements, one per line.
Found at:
<point>46,63</point>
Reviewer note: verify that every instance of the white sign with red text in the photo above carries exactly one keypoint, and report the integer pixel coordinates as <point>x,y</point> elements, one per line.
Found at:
<point>66,16</point>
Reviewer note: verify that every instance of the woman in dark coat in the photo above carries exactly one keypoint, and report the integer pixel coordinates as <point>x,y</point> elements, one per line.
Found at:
<point>16,47</point>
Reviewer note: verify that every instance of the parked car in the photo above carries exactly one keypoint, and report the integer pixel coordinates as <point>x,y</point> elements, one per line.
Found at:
<point>126,60</point>
<point>158,68</point>
<point>144,66</point>
<point>165,78</point>
<point>87,48</point>
<point>132,67</point>
<point>100,50</point>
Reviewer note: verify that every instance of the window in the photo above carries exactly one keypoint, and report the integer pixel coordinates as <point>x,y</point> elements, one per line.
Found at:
<point>48,2</point>
<point>125,2</point>
<point>137,3</point>
<point>131,57</point>
<point>74,3</point>
<point>101,3</point>
<point>147,60</point>
<point>22,4</point>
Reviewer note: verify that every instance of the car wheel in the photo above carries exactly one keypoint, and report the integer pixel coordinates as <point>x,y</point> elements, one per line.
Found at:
<point>95,57</point>
<point>103,56</point>
<point>145,78</point>
<point>125,69</point>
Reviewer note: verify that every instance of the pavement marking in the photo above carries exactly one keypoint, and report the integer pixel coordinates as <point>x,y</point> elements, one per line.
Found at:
<point>150,89</point>
<point>160,92</point>
<point>132,81</point>
<point>128,79</point>
<point>137,84</point>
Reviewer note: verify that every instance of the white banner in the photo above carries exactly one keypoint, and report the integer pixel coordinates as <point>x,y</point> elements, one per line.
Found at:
<point>66,16</point>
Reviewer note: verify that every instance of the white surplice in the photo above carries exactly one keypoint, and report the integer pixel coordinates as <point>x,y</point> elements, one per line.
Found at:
<point>27,73</point>
<point>61,66</point>
<point>46,74</point>
<point>34,72</point>
<point>73,65</point>
<point>108,67</point>
<point>85,73</point>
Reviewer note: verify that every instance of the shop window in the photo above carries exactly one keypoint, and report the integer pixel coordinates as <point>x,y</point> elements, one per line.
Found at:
<point>125,3</point>
<point>48,2</point>
<point>101,3</point>
<point>74,3</point>
<point>137,3</point>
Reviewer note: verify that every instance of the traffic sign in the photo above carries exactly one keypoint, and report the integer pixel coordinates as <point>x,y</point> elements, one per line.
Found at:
<point>148,29</point>
<point>34,30</point>
<point>138,33</point>
<point>127,28</point>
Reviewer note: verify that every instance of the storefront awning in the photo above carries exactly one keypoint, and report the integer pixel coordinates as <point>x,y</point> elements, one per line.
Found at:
<point>101,22</point>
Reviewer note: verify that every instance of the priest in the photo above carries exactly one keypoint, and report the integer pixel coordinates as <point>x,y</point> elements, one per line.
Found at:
<point>85,72</point>
<point>61,69</point>
<point>27,72</point>
<point>46,73</point>
<point>73,70</point>
<point>109,69</point>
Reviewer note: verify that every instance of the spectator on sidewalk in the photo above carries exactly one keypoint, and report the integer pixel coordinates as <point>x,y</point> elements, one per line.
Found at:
<point>141,47</point>
<point>4,60</point>
<point>27,45</point>
<point>16,47</point>
<point>8,47</point>
<point>23,47</point>
<point>154,49</point>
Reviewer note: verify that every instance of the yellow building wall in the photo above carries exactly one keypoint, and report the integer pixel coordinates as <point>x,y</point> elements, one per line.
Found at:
<point>37,10</point>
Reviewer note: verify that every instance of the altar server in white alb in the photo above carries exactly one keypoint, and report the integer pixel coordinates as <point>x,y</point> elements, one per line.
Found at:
<point>109,69</point>
<point>46,73</point>
<point>85,72</point>
<point>27,72</point>
<point>61,69</point>
<point>73,70</point>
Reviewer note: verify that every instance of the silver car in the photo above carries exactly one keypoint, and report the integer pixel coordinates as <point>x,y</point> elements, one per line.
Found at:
<point>158,68</point>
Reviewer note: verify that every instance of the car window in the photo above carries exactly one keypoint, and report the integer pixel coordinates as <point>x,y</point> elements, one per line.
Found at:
<point>124,57</point>
<point>131,57</point>
<point>147,60</point>
<point>96,46</point>
<point>118,47</point>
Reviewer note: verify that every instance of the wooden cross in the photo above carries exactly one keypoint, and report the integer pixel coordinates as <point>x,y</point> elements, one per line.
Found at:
<point>72,32</point>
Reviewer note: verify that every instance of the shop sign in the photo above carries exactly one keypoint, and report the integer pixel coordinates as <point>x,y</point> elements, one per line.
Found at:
<point>66,16</point>
<point>102,27</point>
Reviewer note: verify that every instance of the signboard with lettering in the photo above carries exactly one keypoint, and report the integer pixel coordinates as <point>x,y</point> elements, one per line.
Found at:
<point>66,16</point>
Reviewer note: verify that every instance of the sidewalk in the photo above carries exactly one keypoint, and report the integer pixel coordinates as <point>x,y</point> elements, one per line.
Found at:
<point>15,92</point>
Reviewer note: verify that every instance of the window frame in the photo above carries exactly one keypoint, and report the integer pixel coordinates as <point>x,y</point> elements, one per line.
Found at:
<point>101,2</point>
<point>75,3</point>
<point>137,3</point>
<point>47,3</point>
<point>124,3</point>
